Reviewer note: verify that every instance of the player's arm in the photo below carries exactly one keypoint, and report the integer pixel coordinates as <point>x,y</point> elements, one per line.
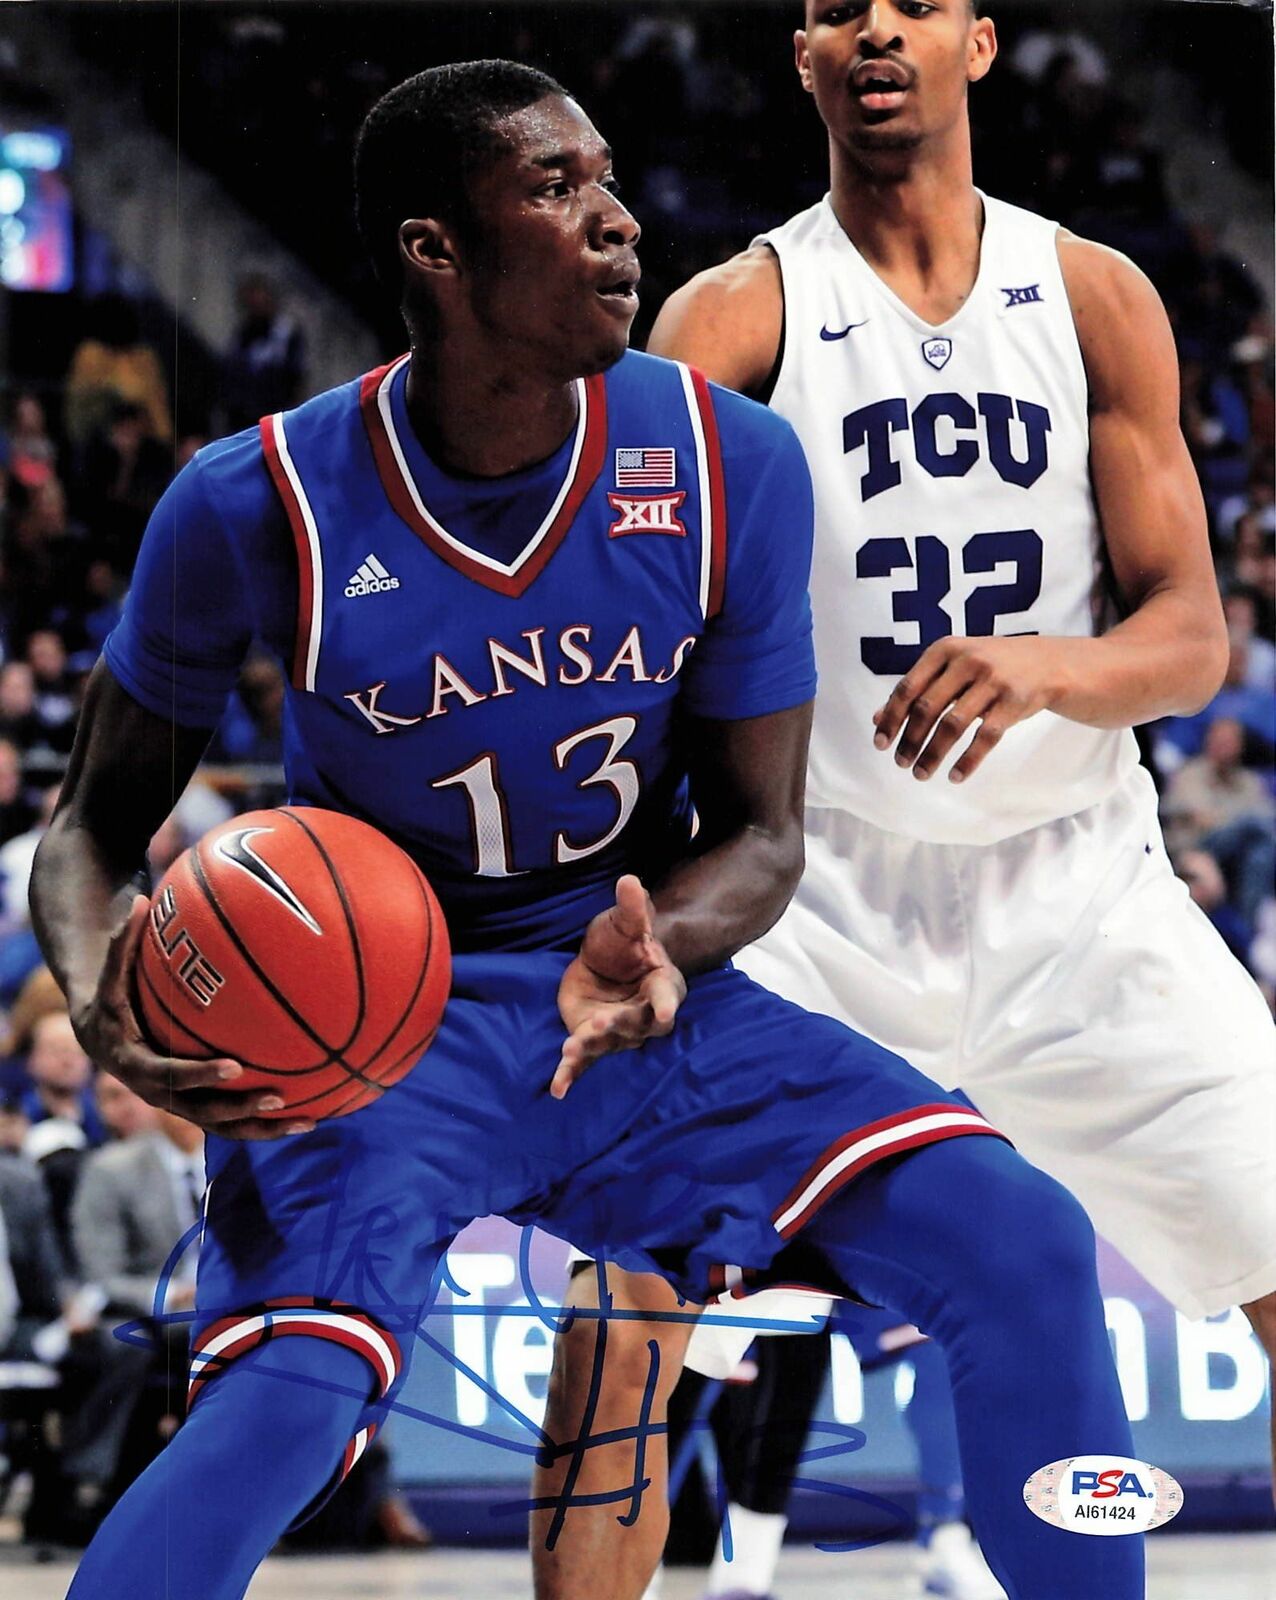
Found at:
<point>127,767</point>
<point>1169,654</point>
<point>746,693</point>
<point>180,643</point>
<point>626,985</point>
<point>726,321</point>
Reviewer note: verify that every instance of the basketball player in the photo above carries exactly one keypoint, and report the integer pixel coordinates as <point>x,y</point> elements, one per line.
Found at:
<point>586,544</point>
<point>989,406</point>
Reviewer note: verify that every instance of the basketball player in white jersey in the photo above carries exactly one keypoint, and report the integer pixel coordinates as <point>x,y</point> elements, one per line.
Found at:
<point>989,406</point>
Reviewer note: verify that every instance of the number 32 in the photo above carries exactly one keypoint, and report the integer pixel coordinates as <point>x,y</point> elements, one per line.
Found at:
<point>921,605</point>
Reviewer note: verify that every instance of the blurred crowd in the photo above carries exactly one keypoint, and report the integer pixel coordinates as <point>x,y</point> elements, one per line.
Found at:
<point>94,1185</point>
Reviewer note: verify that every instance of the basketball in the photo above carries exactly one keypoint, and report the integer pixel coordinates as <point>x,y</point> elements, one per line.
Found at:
<point>306,946</point>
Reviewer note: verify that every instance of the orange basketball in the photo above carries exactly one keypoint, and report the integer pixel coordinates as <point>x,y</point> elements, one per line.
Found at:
<point>304,945</point>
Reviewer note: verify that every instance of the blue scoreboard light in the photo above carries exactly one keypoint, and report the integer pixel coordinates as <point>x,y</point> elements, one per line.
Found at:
<point>36,236</point>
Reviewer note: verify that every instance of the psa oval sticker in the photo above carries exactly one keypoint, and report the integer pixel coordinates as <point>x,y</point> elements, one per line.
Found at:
<point>1103,1495</point>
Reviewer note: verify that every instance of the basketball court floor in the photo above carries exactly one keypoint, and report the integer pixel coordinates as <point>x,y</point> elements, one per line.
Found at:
<point>1181,1567</point>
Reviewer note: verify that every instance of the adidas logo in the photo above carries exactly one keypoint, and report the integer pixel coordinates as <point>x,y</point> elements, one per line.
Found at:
<point>371,578</point>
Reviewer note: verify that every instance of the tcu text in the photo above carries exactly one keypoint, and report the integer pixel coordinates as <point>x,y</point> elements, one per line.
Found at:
<point>948,436</point>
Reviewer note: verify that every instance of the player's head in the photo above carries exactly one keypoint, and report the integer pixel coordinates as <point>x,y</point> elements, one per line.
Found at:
<point>485,197</point>
<point>891,76</point>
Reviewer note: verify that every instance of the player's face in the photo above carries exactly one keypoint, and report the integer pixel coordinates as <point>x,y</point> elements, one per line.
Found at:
<point>889,74</point>
<point>552,268</point>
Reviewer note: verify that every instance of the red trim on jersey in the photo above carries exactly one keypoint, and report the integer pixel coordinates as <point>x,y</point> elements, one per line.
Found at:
<point>257,1331</point>
<point>589,464</point>
<point>717,494</point>
<point>751,1280</point>
<point>305,568</point>
<point>908,1137</point>
<point>355,1449</point>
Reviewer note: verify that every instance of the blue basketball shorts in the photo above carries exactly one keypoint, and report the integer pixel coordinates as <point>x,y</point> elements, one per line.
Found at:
<point>699,1156</point>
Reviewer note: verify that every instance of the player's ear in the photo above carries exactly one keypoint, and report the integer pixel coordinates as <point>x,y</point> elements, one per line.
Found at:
<point>981,49</point>
<point>426,245</point>
<point>802,58</point>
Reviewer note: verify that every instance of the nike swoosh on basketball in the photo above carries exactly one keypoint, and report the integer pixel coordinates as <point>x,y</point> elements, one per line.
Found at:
<point>830,335</point>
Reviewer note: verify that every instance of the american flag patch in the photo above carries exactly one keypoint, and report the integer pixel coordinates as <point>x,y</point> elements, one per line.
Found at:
<point>645,469</point>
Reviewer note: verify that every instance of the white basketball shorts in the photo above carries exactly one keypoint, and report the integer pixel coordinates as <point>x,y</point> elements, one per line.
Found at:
<point>1065,981</point>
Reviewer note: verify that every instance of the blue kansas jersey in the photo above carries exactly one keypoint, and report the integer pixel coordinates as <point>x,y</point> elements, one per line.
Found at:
<point>499,675</point>
<point>491,670</point>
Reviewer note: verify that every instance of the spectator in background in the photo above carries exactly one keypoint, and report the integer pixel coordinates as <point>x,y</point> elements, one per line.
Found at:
<point>37,996</point>
<point>1255,567</point>
<point>1219,302</point>
<point>265,367</point>
<point>19,724</point>
<point>39,554</point>
<point>1262,951</point>
<point>55,692</point>
<point>14,1126</point>
<point>8,1290</point>
<point>102,603</point>
<point>16,856</point>
<point>111,365</point>
<point>1215,804</point>
<point>60,1075</point>
<point>1254,710</point>
<point>1208,888</point>
<point>123,1112</point>
<point>188,446</point>
<point>252,728</point>
<point>124,471</point>
<point>1241,608</point>
<point>17,814</point>
<point>29,453</point>
<point>49,1327</point>
<point>1039,48</point>
<point>1127,182</point>
<point>1215,422</point>
<point>136,1199</point>
<point>1257,501</point>
<point>1213,789</point>
<point>34,1256</point>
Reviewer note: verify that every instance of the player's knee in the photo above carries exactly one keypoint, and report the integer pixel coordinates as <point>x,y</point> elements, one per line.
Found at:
<point>1040,1246</point>
<point>640,1359</point>
<point>1014,1228</point>
<point>1262,1316</point>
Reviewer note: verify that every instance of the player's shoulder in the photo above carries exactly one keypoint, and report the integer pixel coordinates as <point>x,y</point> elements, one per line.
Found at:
<point>745,283</point>
<point>728,319</point>
<point>1101,279</point>
<point>232,473</point>
<point>1120,321</point>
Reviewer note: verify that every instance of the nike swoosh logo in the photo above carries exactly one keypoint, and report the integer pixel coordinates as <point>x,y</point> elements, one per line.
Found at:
<point>830,335</point>
<point>236,848</point>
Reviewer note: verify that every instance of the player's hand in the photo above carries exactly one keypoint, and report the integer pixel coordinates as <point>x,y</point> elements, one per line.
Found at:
<point>957,682</point>
<point>109,1031</point>
<point>621,989</point>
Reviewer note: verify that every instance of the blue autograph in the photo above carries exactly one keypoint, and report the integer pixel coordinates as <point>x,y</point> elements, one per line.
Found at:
<point>356,1266</point>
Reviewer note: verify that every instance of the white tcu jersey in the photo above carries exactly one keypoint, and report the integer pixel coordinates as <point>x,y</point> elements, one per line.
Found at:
<point>952,496</point>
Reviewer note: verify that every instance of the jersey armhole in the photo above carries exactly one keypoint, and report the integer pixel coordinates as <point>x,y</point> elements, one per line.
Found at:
<point>767,390</point>
<point>292,496</point>
<point>711,482</point>
<point>1082,372</point>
